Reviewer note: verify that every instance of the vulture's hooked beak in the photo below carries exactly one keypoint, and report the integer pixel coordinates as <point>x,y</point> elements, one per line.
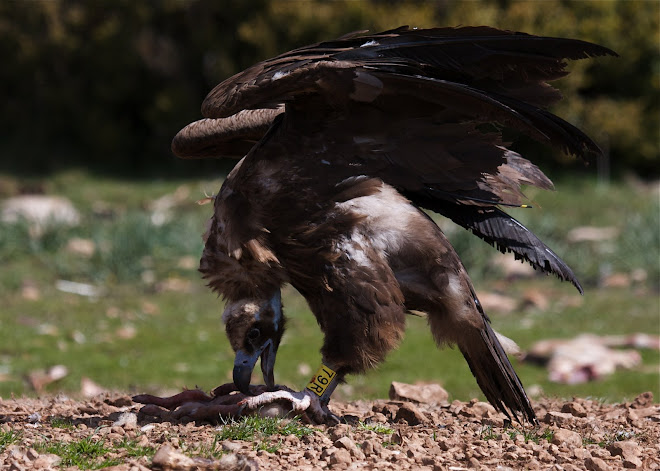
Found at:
<point>261,339</point>
<point>244,364</point>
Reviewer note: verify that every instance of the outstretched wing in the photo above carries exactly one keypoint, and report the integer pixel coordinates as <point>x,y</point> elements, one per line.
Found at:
<point>423,110</point>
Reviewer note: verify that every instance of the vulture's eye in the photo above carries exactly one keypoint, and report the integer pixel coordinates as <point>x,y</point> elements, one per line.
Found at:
<point>253,334</point>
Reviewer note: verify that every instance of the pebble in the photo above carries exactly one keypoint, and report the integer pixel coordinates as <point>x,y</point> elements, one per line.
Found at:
<point>596,464</point>
<point>230,445</point>
<point>340,456</point>
<point>568,438</point>
<point>643,400</point>
<point>626,449</point>
<point>372,447</point>
<point>348,444</point>
<point>474,463</point>
<point>420,393</point>
<point>558,418</point>
<point>338,431</point>
<point>127,420</point>
<point>544,456</point>
<point>574,408</point>
<point>410,414</point>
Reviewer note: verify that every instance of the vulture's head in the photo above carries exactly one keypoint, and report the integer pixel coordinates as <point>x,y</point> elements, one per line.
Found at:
<point>254,328</point>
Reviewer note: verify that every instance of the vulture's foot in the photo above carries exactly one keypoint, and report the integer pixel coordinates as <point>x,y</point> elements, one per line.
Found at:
<point>304,403</point>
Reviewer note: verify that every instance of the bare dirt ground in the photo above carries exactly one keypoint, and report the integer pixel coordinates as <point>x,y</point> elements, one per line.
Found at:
<point>572,435</point>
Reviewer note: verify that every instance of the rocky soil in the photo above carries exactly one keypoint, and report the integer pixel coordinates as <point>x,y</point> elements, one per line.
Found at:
<point>423,434</point>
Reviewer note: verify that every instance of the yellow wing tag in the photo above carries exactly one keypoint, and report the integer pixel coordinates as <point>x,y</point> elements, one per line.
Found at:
<point>323,377</point>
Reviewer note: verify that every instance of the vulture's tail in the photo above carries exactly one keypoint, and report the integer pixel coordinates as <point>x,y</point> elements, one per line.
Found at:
<point>494,373</point>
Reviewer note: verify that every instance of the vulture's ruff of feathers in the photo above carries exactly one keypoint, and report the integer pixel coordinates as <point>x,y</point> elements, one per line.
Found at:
<point>420,111</point>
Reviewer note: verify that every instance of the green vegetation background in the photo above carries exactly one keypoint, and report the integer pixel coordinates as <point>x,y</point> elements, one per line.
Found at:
<point>94,92</point>
<point>106,84</point>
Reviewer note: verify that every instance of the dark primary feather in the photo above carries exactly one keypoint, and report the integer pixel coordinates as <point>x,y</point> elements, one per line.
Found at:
<point>508,235</point>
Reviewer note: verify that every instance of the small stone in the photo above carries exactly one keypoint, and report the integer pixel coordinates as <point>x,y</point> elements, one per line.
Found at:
<point>118,467</point>
<point>643,400</point>
<point>15,466</point>
<point>389,410</point>
<point>632,463</point>
<point>479,409</point>
<point>377,418</point>
<point>325,454</point>
<point>168,458</point>
<point>533,464</point>
<point>338,431</point>
<point>596,464</point>
<point>421,393</point>
<point>143,441</point>
<point>558,418</point>
<point>348,444</point>
<point>411,414</point>
<point>544,456</point>
<point>230,445</point>
<point>627,450</point>
<point>372,447</point>
<point>229,462</point>
<point>34,418</point>
<point>637,414</point>
<point>340,456</point>
<point>31,454</point>
<point>574,408</point>
<point>568,438</point>
<point>127,420</point>
<point>47,461</point>
<point>474,463</point>
<point>581,453</point>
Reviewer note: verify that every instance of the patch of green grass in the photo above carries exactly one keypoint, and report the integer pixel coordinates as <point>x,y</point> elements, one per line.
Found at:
<point>487,433</point>
<point>259,430</point>
<point>268,446</point>
<point>530,434</point>
<point>61,422</point>
<point>7,438</point>
<point>135,450</point>
<point>251,427</point>
<point>375,427</point>
<point>212,451</point>
<point>84,454</point>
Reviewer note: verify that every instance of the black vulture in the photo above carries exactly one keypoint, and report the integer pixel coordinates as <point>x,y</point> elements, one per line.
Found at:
<point>341,145</point>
